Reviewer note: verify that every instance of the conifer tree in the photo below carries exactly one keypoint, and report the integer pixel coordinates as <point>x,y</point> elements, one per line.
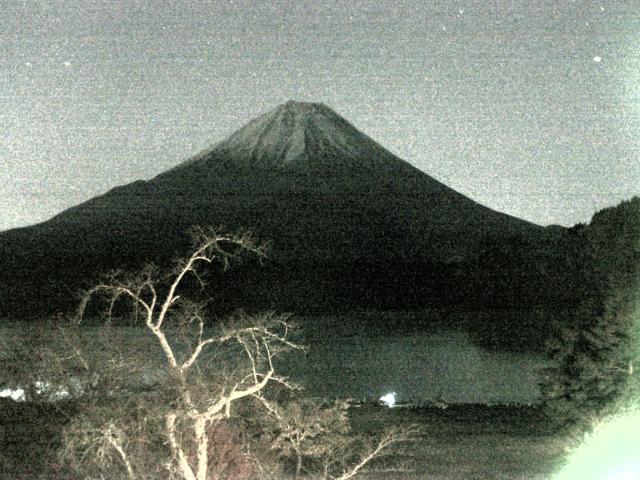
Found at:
<point>595,350</point>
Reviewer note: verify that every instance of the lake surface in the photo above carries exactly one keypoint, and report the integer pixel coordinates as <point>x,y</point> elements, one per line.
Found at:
<point>420,367</point>
<point>345,359</point>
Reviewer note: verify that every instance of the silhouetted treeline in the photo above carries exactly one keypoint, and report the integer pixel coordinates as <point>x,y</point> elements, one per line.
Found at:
<point>515,275</point>
<point>595,347</point>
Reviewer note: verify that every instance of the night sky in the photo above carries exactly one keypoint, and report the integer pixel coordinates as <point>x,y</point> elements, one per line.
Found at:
<point>530,108</point>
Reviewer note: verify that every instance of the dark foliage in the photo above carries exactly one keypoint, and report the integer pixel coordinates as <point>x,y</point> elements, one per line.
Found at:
<point>594,349</point>
<point>30,434</point>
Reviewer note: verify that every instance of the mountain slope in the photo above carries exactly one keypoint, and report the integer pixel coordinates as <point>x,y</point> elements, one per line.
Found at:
<point>299,136</point>
<point>299,175</point>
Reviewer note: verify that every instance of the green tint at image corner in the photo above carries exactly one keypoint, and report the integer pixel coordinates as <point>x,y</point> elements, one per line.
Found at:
<point>611,452</point>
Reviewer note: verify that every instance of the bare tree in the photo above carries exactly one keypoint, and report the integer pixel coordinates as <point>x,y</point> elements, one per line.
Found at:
<point>321,433</point>
<point>237,355</point>
<point>162,405</point>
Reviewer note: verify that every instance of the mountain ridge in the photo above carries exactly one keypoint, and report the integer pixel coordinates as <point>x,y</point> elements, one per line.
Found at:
<point>300,176</point>
<point>292,136</point>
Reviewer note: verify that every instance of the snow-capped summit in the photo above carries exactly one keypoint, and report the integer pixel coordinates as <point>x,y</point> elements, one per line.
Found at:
<point>297,135</point>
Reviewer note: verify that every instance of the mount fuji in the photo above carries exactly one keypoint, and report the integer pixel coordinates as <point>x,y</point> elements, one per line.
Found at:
<point>328,197</point>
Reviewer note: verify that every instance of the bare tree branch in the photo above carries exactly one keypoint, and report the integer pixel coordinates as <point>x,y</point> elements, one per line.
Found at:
<point>391,437</point>
<point>208,373</point>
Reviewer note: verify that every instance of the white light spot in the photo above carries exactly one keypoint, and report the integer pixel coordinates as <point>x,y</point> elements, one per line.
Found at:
<point>67,64</point>
<point>597,59</point>
<point>16,395</point>
<point>55,393</point>
<point>389,399</point>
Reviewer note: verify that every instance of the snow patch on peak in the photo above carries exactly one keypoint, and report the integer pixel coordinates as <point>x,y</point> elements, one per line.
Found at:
<point>298,135</point>
<point>287,133</point>
<point>277,137</point>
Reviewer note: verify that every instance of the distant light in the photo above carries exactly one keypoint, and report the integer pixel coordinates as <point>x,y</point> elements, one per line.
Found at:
<point>16,394</point>
<point>54,393</point>
<point>597,59</point>
<point>389,399</point>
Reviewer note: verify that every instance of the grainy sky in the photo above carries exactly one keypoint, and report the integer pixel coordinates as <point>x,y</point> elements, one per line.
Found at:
<point>531,108</point>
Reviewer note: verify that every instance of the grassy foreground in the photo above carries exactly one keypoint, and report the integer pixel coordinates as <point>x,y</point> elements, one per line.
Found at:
<point>459,442</point>
<point>472,441</point>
